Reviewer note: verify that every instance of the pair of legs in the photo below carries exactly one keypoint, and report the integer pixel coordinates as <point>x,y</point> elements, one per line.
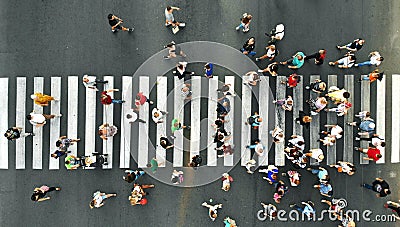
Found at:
<point>120,27</point>
<point>245,27</point>
<point>117,101</point>
<point>251,53</point>
<point>51,116</point>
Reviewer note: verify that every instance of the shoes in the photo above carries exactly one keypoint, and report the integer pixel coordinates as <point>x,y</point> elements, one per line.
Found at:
<point>357,138</point>
<point>331,63</point>
<point>356,148</point>
<point>182,25</point>
<point>244,30</point>
<point>260,71</point>
<point>338,46</point>
<point>130,29</point>
<point>32,134</point>
<point>151,102</point>
<point>58,189</point>
<point>187,127</point>
<point>247,146</point>
<point>292,205</point>
<point>355,65</point>
<point>123,101</point>
<point>257,59</point>
<point>59,115</point>
<point>267,34</point>
<point>307,87</point>
<point>237,28</point>
<point>167,24</point>
<point>172,42</point>
<point>114,31</point>
<point>166,57</point>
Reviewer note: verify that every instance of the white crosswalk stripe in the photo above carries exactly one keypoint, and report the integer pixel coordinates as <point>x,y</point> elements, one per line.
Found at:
<point>365,106</point>
<point>314,125</point>
<point>144,154</point>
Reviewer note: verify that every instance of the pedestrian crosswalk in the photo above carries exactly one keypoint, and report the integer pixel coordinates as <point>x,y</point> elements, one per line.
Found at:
<point>43,143</point>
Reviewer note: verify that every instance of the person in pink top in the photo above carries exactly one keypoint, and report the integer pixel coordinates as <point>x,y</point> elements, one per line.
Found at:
<point>141,99</point>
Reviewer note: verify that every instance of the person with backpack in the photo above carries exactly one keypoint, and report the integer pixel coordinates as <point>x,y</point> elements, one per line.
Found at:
<point>132,175</point>
<point>254,121</point>
<point>272,69</point>
<point>196,161</point>
<point>245,22</point>
<point>14,133</point>
<point>345,62</point>
<point>319,57</point>
<point>271,53</point>
<point>39,194</point>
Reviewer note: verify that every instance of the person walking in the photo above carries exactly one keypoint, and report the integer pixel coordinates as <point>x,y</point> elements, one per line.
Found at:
<point>277,135</point>
<point>64,142</point>
<point>186,92</point>
<point>303,119</point>
<point>373,153</point>
<point>166,143</point>
<point>295,62</point>
<point>272,69</point>
<point>98,199</point>
<point>254,121</point>
<point>177,125</point>
<point>39,120</point>
<point>14,133</point>
<point>181,72</point>
<point>276,34</point>
<point>226,182</point>
<point>132,175</point>
<point>322,173</point>
<point>341,109</point>
<point>252,78</point>
<point>245,22</point>
<point>345,167</point>
<point>307,210</point>
<point>338,95</point>
<point>272,174</point>
<point>372,77</point>
<point>354,46</point>
<point>59,153</point>
<point>177,177</point>
<point>106,99</point>
<point>173,50</point>
<point>229,222</point>
<point>286,104</point>
<point>226,90</point>
<point>325,189</point>
<point>334,131</point>
<point>248,47</point>
<point>208,70</point>
<point>257,146</point>
<point>271,53</point>
<point>292,81</point>
<point>318,56</point>
<point>375,59</point>
<point>131,116</point>
<point>153,165</point>
<point>141,99</point>
<point>316,154</point>
<point>395,207</point>
<point>346,62</point>
<point>250,166</point>
<point>196,161</point>
<point>316,105</point>
<point>158,115</point>
<point>169,17</point>
<point>115,23</point>
<point>366,127</point>
<point>380,186</point>
<point>42,99</point>
<point>39,194</point>
<point>212,210</point>
<point>92,83</point>
<point>318,86</point>
<point>375,140</point>
<point>223,107</point>
<point>106,130</point>
<point>280,191</point>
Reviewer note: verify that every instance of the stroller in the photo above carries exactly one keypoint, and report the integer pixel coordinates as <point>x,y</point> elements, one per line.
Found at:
<point>92,161</point>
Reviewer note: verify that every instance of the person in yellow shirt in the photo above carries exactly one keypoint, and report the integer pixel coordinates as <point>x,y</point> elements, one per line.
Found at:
<point>42,99</point>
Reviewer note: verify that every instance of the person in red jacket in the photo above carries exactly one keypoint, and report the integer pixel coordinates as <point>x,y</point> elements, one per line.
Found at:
<point>374,154</point>
<point>292,81</point>
<point>106,98</point>
<point>141,99</point>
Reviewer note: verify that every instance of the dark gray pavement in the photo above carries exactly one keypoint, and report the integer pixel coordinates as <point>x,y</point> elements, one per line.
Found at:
<point>49,38</point>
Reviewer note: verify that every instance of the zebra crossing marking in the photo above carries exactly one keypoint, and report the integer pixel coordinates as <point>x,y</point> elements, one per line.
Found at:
<point>161,127</point>
<point>395,156</point>
<point>20,122</point>
<point>125,145</point>
<point>314,125</point>
<point>297,106</point>
<point>212,115</point>
<point>331,120</point>
<point>348,151</point>
<point>4,124</point>
<point>195,116</point>
<point>90,120</point>
<point>108,117</point>
<point>38,138</point>
<point>55,123</point>
<point>178,113</point>
<point>380,113</point>
<point>246,112</point>
<point>280,120</point>
<point>365,106</point>
<point>263,131</point>
<point>73,100</point>
<point>143,143</point>
<point>228,160</point>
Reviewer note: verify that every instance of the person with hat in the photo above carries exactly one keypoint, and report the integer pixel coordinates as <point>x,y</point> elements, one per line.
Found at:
<point>372,77</point>
<point>226,182</point>
<point>373,153</point>
<point>380,186</point>
<point>42,99</point>
<point>250,166</point>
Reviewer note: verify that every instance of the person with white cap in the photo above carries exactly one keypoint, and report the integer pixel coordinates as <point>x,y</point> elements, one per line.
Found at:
<point>42,99</point>
<point>276,34</point>
<point>91,82</point>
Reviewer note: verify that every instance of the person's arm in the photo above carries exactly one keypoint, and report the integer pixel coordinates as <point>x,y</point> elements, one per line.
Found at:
<point>62,137</point>
<point>43,199</point>
<point>112,90</point>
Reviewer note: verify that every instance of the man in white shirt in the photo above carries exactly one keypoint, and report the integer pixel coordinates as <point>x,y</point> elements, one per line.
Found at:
<point>39,120</point>
<point>131,116</point>
<point>158,115</point>
<point>91,82</point>
<point>375,59</point>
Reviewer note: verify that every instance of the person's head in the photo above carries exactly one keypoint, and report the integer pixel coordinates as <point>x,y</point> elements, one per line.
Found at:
<point>213,214</point>
<point>321,157</point>
<point>259,119</point>
<point>7,134</point>
<point>352,57</point>
<point>92,203</point>
<point>163,143</point>
<point>110,16</point>
<point>138,97</point>
<point>387,191</point>
<point>100,132</point>
<point>346,94</point>
<point>322,51</point>
<point>307,119</point>
<point>207,66</point>
<point>129,178</point>
<point>58,143</point>
<point>274,176</point>
<point>251,40</point>
<point>169,8</point>
<point>323,101</point>
<point>296,182</point>
<point>383,144</point>
<point>35,197</point>
<point>361,41</point>
<point>53,155</point>
<point>381,59</point>
<point>85,79</point>
<point>272,47</point>
<point>379,156</point>
<point>67,162</point>
<point>299,57</point>
<point>220,137</point>
<point>29,117</point>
